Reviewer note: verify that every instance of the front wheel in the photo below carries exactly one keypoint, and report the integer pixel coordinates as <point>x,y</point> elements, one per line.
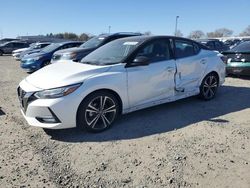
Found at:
<point>1,52</point>
<point>209,87</point>
<point>98,112</point>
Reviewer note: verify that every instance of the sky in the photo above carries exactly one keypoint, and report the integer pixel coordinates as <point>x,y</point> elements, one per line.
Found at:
<point>37,17</point>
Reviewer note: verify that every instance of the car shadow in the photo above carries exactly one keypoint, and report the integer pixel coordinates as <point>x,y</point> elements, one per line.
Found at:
<point>165,118</point>
<point>2,113</point>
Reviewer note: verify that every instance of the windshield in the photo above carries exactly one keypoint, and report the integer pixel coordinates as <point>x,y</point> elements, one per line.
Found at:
<point>51,47</point>
<point>242,47</point>
<point>92,43</point>
<point>111,53</point>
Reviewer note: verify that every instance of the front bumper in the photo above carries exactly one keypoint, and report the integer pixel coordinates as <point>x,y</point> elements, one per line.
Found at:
<point>58,113</point>
<point>30,66</point>
<point>238,69</point>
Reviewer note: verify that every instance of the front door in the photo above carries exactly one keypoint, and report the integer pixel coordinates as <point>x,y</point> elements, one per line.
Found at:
<point>155,81</point>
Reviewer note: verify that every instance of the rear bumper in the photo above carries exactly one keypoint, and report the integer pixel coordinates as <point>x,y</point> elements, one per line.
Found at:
<point>238,70</point>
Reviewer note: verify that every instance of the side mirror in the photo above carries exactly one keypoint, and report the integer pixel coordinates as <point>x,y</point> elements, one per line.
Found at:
<point>140,61</point>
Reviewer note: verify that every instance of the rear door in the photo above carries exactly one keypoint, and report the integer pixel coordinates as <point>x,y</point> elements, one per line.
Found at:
<point>8,48</point>
<point>190,64</point>
<point>155,81</point>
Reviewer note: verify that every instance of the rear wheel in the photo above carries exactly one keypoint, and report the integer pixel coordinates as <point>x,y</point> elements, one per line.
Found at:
<point>98,111</point>
<point>209,86</point>
<point>1,52</point>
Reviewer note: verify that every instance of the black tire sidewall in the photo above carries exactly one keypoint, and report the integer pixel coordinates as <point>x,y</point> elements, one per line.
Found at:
<point>201,95</point>
<point>81,122</point>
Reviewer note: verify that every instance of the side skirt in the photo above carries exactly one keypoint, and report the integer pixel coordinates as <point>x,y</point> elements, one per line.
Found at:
<point>162,101</point>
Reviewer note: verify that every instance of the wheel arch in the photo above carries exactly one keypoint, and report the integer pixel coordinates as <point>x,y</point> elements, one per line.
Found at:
<point>211,72</point>
<point>101,90</point>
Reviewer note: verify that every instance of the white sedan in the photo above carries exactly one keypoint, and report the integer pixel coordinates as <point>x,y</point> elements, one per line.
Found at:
<point>122,76</point>
<point>16,53</point>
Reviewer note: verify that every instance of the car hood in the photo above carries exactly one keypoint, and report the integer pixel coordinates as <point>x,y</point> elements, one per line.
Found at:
<point>73,50</point>
<point>33,55</point>
<point>63,74</point>
<point>20,50</point>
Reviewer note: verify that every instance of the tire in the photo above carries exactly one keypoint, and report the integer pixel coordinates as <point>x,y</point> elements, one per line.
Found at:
<point>209,87</point>
<point>98,111</point>
<point>1,52</point>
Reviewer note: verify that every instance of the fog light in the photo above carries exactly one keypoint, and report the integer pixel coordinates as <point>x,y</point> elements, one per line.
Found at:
<point>47,119</point>
<point>52,118</point>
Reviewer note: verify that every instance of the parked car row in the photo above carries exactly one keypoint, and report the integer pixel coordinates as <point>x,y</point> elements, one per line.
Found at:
<point>33,48</point>
<point>117,75</point>
<point>236,52</point>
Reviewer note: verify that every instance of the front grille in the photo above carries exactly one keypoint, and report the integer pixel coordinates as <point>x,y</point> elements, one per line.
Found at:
<point>25,98</point>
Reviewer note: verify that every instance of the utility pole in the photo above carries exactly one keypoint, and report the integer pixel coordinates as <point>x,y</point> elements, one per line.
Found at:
<point>176,24</point>
<point>1,33</point>
<point>109,29</point>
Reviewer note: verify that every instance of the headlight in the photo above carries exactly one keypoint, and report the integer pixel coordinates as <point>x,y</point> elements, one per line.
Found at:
<point>37,58</point>
<point>57,92</point>
<point>69,55</point>
<point>34,59</point>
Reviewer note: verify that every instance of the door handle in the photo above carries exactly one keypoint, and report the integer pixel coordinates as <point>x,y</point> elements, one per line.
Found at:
<point>203,61</point>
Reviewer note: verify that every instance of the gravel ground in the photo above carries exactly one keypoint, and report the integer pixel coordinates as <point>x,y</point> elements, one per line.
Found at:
<point>188,143</point>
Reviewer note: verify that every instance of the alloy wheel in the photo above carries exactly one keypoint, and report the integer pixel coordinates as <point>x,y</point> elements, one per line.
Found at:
<point>209,87</point>
<point>100,112</point>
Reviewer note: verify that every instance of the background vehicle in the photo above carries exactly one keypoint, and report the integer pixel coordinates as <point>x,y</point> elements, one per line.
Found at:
<point>76,54</point>
<point>214,44</point>
<point>36,47</point>
<point>232,43</point>
<point>120,77</point>
<point>9,47</point>
<point>7,40</point>
<point>239,59</point>
<point>16,53</point>
<point>38,60</point>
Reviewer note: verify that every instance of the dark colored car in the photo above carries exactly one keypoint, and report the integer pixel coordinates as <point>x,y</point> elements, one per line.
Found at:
<point>232,42</point>
<point>37,47</point>
<point>7,40</point>
<point>76,54</point>
<point>238,62</point>
<point>9,47</point>
<point>214,44</point>
<point>35,61</point>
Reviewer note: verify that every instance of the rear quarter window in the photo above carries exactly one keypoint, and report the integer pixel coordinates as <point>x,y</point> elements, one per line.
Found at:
<point>184,49</point>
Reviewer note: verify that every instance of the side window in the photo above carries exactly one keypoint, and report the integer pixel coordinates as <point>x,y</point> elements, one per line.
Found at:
<point>197,49</point>
<point>184,49</point>
<point>210,45</point>
<point>156,51</point>
<point>9,45</point>
<point>65,46</point>
<point>218,45</point>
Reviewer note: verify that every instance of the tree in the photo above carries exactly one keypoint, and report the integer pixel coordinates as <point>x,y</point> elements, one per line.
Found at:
<point>223,32</point>
<point>83,37</point>
<point>196,34</point>
<point>246,32</point>
<point>178,33</point>
<point>148,33</point>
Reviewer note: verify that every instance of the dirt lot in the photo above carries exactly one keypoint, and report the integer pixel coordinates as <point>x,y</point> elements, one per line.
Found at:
<point>189,143</point>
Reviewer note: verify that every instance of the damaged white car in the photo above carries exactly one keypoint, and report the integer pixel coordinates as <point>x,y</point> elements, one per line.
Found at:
<point>120,77</point>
